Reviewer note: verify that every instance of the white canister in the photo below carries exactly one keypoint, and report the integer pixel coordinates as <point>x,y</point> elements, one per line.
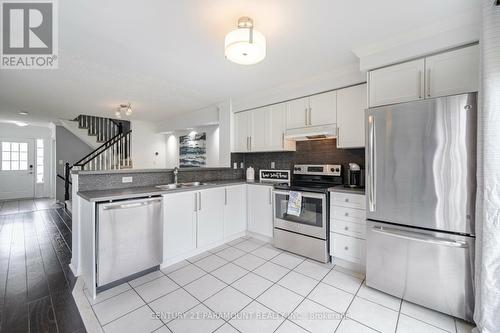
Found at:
<point>250,173</point>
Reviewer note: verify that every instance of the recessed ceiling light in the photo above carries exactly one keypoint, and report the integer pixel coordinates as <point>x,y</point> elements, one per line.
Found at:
<point>23,113</point>
<point>20,123</point>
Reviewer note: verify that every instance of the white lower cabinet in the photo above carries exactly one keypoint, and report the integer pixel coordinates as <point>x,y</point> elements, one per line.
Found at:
<point>196,219</point>
<point>260,209</point>
<point>179,224</point>
<point>210,226</point>
<point>348,227</point>
<point>235,210</point>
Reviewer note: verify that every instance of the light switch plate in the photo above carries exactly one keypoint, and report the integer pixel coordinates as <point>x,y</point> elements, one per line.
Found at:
<point>127,179</point>
<point>273,165</point>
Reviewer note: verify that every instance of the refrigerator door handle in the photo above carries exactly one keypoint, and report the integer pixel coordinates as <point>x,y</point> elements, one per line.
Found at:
<point>418,237</point>
<point>371,163</point>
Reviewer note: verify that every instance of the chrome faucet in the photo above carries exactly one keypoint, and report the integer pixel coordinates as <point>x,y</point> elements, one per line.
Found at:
<point>176,172</point>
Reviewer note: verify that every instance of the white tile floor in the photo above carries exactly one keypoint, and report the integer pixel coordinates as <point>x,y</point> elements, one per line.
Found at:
<point>249,286</point>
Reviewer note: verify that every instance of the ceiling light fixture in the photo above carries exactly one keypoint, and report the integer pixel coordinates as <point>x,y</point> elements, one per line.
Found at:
<point>123,108</point>
<point>23,113</point>
<point>245,45</point>
<point>20,123</point>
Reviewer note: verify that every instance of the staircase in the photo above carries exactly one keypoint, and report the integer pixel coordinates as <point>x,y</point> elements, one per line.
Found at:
<point>113,151</point>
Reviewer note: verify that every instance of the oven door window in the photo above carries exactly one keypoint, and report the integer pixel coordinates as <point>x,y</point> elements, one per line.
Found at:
<point>311,212</point>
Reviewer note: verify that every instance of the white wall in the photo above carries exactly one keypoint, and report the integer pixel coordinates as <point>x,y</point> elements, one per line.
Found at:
<point>146,142</point>
<point>8,131</point>
<point>172,146</point>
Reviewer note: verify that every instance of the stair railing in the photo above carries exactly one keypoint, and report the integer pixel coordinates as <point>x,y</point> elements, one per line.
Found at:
<point>114,154</point>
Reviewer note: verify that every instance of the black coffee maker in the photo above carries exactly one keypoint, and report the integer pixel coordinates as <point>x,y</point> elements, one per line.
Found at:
<point>355,176</point>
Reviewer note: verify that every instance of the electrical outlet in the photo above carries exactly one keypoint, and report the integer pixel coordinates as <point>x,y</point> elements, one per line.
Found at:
<point>242,165</point>
<point>273,165</point>
<point>235,165</point>
<point>127,179</point>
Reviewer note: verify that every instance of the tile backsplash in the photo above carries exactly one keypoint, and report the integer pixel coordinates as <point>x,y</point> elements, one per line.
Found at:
<point>308,152</point>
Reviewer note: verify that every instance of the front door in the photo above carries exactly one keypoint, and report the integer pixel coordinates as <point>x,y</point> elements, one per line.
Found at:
<point>17,178</point>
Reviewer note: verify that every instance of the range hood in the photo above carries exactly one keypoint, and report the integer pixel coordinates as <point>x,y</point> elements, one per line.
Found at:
<point>312,133</point>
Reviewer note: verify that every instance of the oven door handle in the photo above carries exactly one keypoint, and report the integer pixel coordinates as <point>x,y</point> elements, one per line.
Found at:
<point>304,194</point>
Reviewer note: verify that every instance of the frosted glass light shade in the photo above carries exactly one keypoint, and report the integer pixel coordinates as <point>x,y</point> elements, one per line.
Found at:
<point>242,49</point>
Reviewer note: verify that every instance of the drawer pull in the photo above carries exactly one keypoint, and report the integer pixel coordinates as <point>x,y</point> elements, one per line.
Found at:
<point>346,228</point>
<point>346,199</point>
<point>346,248</point>
<point>346,214</point>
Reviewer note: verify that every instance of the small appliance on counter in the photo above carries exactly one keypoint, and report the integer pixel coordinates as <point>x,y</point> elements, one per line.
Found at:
<point>250,173</point>
<point>355,176</point>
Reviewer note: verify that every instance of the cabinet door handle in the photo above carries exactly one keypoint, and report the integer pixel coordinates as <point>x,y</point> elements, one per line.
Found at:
<point>346,214</point>
<point>310,116</point>
<point>346,199</point>
<point>199,201</point>
<point>270,196</point>
<point>307,117</point>
<point>283,140</point>
<point>346,228</point>
<point>346,248</point>
<point>419,84</point>
<point>428,82</point>
<point>225,196</point>
<point>195,202</point>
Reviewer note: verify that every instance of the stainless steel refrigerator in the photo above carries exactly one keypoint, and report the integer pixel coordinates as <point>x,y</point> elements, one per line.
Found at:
<point>421,186</point>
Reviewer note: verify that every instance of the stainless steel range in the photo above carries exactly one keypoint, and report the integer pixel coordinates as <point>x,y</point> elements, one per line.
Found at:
<point>305,232</point>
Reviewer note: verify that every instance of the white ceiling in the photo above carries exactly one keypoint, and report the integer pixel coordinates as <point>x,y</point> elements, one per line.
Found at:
<point>167,57</point>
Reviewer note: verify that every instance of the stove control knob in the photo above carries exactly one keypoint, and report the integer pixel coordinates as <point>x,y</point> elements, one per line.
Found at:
<point>337,169</point>
<point>332,169</point>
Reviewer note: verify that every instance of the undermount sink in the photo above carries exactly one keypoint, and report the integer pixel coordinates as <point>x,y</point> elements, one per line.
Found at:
<point>174,186</point>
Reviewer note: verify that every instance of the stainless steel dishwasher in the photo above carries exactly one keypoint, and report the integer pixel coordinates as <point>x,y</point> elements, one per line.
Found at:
<point>129,239</point>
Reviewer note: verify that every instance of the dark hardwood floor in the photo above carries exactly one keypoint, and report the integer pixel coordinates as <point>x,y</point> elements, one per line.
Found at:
<point>35,278</point>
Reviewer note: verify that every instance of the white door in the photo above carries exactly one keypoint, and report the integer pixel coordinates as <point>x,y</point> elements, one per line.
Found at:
<point>297,113</point>
<point>452,73</point>
<point>179,218</point>
<point>210,216</point>
<point>17,176</point>
<point>258,141</point>
<point>351,105</point>
<point>323,109</point>
<point>242,125</point>
<point>260,209</point>
<point>235,218</point>
<point>397,84</point>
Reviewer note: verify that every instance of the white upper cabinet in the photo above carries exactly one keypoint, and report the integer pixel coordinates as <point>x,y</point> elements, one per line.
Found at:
<point>397,84</point>
<point>323,109</point>
<point>448,73</point>
<point>297,113</point>
<point>453,72</point>
<point>351,105</point>
<point>316,110</point>
<point>242,129</point>
<point>235,210</point>
<point>210,224</point>
<point>262,129</point>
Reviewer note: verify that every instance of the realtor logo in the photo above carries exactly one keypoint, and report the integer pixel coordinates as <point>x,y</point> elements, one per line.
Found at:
<point>29,34</point>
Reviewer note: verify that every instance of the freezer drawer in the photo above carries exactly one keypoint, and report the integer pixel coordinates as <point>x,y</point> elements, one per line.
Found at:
<point>424,267</point>
<point>129,238</point>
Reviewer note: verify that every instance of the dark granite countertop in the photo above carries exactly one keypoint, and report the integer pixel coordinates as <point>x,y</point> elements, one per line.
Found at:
<point>343,189</point>
<point>145,191</point>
